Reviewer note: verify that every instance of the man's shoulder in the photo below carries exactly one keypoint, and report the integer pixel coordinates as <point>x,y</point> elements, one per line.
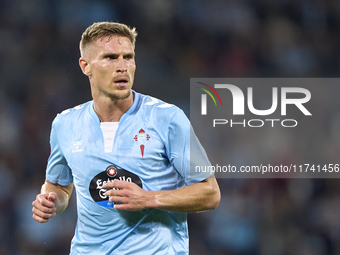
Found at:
<point>157,106</point>
<point>162,115</point>
<point>71,113</point>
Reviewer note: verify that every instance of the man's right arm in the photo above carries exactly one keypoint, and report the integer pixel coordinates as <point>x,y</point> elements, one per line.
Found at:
<point>52,200</point>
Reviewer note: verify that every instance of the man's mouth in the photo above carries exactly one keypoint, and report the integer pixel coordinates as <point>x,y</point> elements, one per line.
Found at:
<point>121,82</point>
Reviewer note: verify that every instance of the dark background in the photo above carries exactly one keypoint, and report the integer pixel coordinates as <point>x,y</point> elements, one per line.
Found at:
<point>40,76</point>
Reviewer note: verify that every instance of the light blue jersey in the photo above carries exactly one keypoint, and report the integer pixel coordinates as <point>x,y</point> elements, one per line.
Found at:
<point>151,148</point>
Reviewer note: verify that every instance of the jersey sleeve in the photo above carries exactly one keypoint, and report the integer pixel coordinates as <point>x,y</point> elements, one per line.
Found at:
<point>185,150</point>
<point>57,170</point>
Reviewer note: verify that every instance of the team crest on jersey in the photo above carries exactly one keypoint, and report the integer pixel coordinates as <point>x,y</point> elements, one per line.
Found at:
<point>142,138</point>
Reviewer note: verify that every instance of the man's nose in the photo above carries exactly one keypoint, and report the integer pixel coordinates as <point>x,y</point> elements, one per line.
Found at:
<point>121,65</point>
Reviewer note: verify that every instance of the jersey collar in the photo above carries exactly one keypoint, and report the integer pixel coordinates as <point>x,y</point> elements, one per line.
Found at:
<point>134,107</point>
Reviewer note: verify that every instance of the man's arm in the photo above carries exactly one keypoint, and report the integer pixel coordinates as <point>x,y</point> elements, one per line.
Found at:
<point>201,196</point>
<point>52,200</point>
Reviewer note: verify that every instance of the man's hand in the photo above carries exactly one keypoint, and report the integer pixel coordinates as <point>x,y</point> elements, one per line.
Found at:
<point>44,207</point>
<point>129,195</point>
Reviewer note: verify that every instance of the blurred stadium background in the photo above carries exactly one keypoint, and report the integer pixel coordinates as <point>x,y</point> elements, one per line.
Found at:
<point>177,40</point>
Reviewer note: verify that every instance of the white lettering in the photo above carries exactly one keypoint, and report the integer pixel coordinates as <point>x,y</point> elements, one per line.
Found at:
<point>295,122</point>
<point>262,112</point>
<point>219,121</point>
<point>102,193</point>
<point>298,101</point>
<point>232,122</point>
<point>256,122</point>
<point>99,184</point>
<point>238,97</point>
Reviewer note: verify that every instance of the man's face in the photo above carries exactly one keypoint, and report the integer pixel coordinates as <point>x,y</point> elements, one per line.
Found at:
<point>110,65</point>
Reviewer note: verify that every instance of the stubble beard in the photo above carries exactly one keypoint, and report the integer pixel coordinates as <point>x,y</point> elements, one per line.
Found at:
<point>114,96</point>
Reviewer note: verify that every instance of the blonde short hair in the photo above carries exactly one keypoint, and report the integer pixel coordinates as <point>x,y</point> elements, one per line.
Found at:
<point>106,29</point>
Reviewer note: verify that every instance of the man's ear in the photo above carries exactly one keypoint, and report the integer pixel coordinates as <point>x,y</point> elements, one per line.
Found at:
<point>85,67</point>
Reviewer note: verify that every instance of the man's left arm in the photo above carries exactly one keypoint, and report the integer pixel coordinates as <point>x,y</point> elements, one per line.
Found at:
<point>200,196</point>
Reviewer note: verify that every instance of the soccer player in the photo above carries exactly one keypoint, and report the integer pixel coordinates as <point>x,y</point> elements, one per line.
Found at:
<point>128,156</point>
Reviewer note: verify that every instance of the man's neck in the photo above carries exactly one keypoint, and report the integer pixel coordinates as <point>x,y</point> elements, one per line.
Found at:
<point>109,110</point>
